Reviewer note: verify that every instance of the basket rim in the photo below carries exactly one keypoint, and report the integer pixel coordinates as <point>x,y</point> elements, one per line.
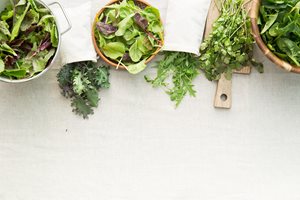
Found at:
<point>254,13</point>
<point>99,52</point>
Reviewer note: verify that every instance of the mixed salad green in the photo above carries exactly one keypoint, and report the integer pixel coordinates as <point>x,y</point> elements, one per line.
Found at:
<point>129,33</point>
<point>279,23</point>
<point>28,39</point>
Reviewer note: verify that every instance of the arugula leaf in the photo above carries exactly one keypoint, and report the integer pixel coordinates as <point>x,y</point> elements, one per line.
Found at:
<point>182,68</point>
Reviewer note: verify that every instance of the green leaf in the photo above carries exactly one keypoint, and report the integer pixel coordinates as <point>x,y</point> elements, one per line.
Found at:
<point>5,48</point>
<point>54,36</point>
<point>124,25</point>
<point>47,21</point>
<point>290,48</point>
<point>32,17</point>
<point>4,28</point>
<point>8,13</point>
<point>151,13</point>
<point>16,73</point>
<point>37,8</point>
<point>40,61</point>
<point>137,68</point>
<point>17,25</point>
<point>81,107</point>
<point>2,65</point>
<point>271,19</point>
<point>134,52</point>
<point>114,50</point>
<point>93,97</point>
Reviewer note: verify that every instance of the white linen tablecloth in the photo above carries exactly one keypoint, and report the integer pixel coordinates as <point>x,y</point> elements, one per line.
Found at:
<point>137,146</point>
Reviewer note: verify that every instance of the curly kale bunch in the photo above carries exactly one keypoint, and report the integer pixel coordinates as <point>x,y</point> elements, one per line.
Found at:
<point>81,83</point>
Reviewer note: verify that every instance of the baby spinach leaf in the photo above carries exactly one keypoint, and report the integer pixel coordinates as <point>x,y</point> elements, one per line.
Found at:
<point>290,48</point>
<point>124,25</point>
<point>271,19</point>
<point>135,53</point>
<point>137,68</point>
<point>114,50</point>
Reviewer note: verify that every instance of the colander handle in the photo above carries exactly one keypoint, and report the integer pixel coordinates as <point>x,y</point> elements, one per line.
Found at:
<point>65,14</point>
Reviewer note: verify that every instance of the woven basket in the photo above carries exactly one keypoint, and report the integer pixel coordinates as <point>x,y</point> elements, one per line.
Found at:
<point>254,13</point>
<point>142,4</point>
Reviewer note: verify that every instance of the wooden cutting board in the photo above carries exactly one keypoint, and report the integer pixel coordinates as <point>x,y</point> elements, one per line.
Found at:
<point>223,97</point>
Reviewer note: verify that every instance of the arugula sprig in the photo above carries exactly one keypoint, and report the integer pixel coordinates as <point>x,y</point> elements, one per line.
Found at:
<point>182,68</point>
<point>81,83</point>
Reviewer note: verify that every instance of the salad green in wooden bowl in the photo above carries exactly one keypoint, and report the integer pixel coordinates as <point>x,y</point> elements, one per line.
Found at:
<point>128,34</point>
<point>276,28</point>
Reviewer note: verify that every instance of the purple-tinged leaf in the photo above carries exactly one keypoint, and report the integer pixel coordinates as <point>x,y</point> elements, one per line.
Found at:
<point>141,21</point>
<point>126,58</point>
<point>106,29</point>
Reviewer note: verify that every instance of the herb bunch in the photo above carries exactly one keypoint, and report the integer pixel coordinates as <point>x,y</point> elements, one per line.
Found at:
<point>230,45</point>
<point>182,68</point>
<point>81,83</point>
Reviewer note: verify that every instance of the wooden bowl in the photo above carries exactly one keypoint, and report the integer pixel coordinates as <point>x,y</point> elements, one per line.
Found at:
<point>254,13</point>
<point>141,4</point>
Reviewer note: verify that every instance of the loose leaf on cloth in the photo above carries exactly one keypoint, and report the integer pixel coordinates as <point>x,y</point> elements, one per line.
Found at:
<point>81,83</point>
<point>182,68</point>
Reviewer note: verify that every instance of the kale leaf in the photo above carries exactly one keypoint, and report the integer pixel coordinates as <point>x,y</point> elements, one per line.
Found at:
<point>81,83</point>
